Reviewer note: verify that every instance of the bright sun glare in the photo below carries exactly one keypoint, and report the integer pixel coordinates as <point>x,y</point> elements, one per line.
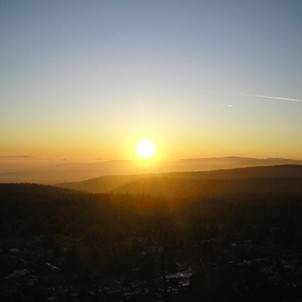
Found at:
<point>145,149</point>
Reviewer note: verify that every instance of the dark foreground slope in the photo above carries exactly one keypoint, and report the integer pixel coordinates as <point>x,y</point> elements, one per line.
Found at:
<point>61,245</point>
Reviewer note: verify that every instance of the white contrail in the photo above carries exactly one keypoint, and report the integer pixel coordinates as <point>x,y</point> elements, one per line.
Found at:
<point>258,96</point>
<point>271,97</point>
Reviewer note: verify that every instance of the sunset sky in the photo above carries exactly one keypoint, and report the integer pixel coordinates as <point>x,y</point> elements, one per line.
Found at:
<point>86,79</point>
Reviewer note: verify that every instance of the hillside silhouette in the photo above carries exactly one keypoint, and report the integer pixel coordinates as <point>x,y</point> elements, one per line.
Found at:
<point>270,180</point>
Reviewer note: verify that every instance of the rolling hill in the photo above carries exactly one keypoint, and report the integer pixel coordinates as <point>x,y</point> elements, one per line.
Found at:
<point>270,180</point>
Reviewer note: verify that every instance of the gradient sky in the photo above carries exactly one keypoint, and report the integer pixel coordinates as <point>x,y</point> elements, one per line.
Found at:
<point>83,79</point>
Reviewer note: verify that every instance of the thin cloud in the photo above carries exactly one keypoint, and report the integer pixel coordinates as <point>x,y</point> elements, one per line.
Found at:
<point>271,97</point>
<point>16,156</point>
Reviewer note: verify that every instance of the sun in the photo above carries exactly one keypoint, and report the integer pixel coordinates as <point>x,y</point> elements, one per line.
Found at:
<point>145,149</point>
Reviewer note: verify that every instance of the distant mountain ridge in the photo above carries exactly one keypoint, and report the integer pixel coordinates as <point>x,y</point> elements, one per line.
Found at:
<point>237,162</point>
<point>269,160</point>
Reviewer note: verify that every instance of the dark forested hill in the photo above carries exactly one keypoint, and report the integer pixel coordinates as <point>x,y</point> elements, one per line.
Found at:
<point>32,192</point>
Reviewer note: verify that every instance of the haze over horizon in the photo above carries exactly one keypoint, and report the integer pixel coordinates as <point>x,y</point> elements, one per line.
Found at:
<point>81,81</point>
<point>54,171</point>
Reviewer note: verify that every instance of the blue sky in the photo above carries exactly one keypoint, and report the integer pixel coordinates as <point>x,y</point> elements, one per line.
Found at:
<point>84,77</point>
